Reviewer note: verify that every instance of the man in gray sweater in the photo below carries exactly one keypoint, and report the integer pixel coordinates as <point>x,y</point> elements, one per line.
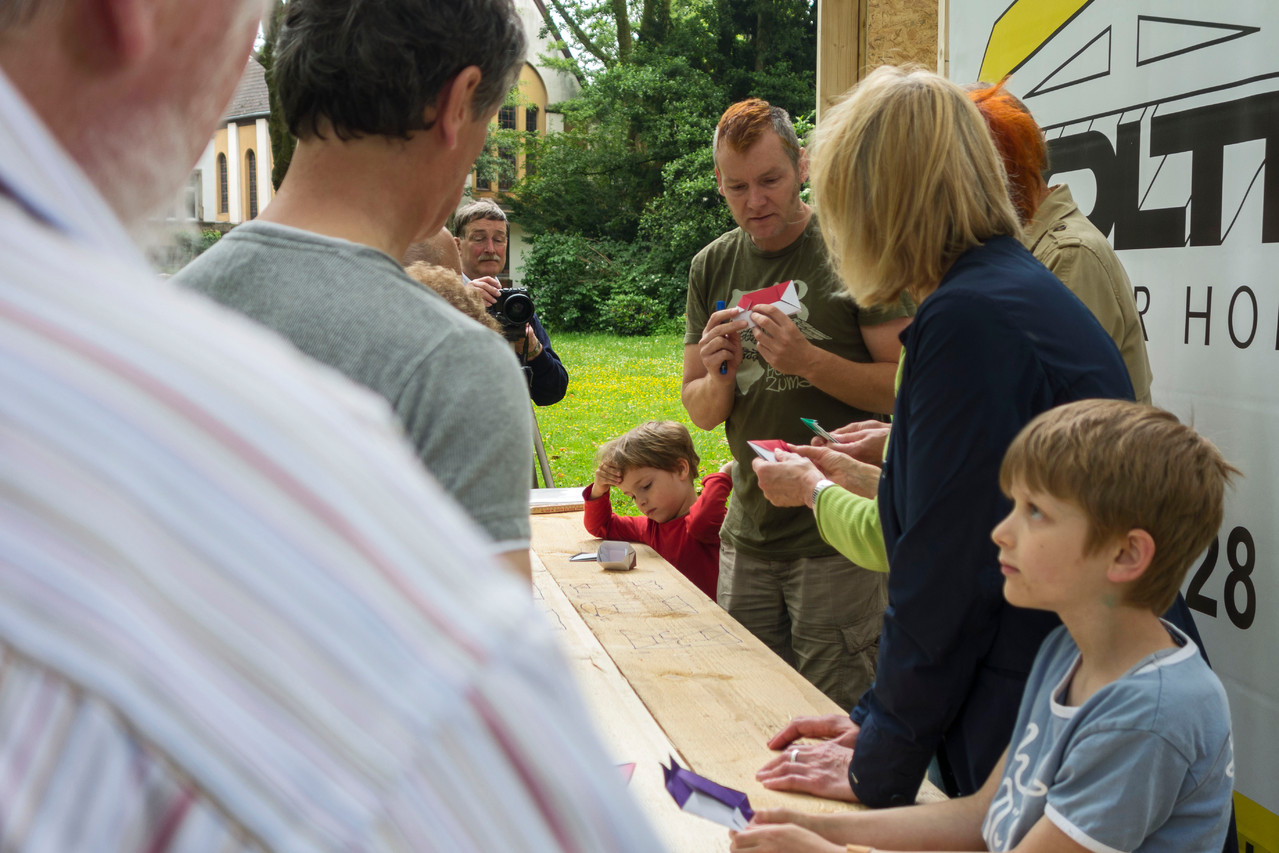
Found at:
<point>389,120</point>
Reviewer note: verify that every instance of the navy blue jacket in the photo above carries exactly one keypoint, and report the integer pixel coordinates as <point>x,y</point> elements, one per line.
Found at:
<point>550,379</point>
<point>998,342</point>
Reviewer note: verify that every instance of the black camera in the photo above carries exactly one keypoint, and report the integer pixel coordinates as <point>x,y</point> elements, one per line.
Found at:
<point>512,310</point>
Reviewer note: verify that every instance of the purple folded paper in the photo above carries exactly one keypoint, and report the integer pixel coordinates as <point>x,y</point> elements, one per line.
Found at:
<point>704,798</point>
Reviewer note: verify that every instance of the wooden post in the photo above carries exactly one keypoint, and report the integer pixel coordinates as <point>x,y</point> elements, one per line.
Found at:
<point>840,43</point>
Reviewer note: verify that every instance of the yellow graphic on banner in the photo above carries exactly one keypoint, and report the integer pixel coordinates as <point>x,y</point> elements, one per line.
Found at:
<point>1258,828</point>
<point>1022,30</point>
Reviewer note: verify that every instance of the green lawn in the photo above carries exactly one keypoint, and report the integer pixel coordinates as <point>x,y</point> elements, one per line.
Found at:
<point>614,384</point>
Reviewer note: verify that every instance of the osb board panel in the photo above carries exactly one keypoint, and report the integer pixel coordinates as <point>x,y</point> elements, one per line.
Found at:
<point>717,692</point>
<point>900,32</point>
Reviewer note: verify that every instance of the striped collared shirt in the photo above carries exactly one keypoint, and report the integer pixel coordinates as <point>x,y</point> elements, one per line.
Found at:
<point>234,612</point>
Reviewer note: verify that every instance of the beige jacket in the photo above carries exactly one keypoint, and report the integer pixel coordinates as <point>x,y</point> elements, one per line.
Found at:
<point>1065,241</point>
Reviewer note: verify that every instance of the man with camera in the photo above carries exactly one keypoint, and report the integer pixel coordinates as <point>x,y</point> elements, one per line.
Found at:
<point>481,231</point>
<point>373,171</point>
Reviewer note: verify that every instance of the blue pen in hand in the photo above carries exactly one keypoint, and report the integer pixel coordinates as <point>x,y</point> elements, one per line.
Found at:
<point>723,368</point>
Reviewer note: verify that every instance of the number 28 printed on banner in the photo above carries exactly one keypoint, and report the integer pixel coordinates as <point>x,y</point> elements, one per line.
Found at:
<point>1240,575</point>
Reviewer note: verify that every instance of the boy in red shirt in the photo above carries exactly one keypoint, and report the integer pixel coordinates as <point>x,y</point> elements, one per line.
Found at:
<point>655,464</point>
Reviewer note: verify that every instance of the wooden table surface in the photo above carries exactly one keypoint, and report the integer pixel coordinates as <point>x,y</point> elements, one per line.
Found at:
<point>666,672</point>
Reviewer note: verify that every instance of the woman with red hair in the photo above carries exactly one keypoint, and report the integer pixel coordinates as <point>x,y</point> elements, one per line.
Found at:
<point>1058,235</point>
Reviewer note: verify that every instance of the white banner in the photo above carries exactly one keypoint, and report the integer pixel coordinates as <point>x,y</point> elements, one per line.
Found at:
<point>1162,115</point>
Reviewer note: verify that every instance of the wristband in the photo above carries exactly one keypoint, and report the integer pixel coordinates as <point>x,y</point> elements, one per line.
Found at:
<point>819,487</point>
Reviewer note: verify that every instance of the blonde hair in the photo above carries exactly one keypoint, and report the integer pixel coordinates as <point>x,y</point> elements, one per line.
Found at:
<point>449,285</point>
<point>653,444</point>
<point>1127,466</point>
<point>905,180</point>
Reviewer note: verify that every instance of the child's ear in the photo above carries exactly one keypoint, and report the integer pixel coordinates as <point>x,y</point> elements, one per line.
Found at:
<point>682,470</point>
<point>1133,554</point>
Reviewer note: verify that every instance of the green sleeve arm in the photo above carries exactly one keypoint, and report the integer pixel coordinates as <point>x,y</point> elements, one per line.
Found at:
<point>850,523</point>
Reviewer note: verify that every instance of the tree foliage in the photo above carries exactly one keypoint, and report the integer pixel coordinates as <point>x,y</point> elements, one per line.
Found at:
<point>631,179</point>
<point>282,142</point>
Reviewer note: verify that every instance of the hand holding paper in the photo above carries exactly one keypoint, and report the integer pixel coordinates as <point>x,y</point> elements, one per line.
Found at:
<point>721,345</point>
<point>780,342</point>
<point>766,448</point>
<point>782,295</point>
<point>787,479</point>
<point>702,797</point>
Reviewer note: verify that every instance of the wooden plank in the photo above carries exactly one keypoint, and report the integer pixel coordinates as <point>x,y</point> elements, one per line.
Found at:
<point>555,500</point>
<point>627,728</point>
<point>840,46</point>
<point>717,692</point>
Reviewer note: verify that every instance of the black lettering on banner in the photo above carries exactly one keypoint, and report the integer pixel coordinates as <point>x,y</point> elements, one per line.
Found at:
<point>1204,132</point>
<point>1240,576</point>
<point>1204,315</point>
<point>1156,228</point>
<point>1090,150</point>
<point>1141,295</point>
<point>1195,599</point>
<point>1230,318</point>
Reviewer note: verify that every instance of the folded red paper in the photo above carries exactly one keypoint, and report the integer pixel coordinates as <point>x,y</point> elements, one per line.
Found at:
<point>783,295</point>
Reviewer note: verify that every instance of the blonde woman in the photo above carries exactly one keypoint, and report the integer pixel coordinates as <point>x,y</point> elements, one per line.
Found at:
<point>912,197</point>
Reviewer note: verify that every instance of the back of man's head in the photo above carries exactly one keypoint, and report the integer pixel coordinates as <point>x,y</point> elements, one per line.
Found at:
<point>440,249</point>
<point>365,68</point>
<point>130,90</point>
<point>745,122</point>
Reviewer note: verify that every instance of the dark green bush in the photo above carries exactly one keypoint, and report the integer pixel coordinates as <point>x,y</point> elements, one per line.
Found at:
<point>585,285</point>
<point>571,278</point>
<point>631,314</point>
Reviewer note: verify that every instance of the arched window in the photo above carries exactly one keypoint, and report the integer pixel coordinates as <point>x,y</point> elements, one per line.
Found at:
<point>251,164</point>
<point>224,195</point>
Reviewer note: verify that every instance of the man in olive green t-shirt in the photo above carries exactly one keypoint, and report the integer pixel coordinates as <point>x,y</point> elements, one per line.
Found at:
<point>831,361</point>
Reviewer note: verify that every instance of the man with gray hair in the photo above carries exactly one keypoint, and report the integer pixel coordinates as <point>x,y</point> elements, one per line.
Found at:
<point>482,236</point>
<point>389,119</point>
<point>235,613</point>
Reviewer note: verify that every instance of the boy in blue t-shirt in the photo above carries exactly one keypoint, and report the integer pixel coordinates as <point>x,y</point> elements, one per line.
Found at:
<point>1122,740</point>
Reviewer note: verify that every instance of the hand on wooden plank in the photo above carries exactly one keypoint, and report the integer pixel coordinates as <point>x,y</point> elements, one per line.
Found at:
<point>820,769</point>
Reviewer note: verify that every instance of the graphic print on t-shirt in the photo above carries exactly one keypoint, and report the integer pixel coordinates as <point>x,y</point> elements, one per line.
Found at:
<point>1005,808</point>
<point>754,369</point>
